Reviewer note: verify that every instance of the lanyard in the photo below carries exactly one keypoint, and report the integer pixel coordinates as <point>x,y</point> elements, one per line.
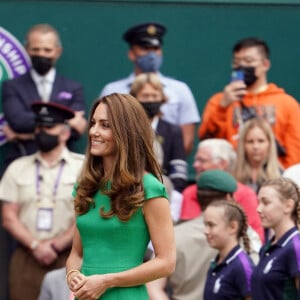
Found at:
<point>39,179</point>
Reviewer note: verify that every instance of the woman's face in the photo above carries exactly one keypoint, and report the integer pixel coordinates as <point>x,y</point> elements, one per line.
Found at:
<point>217,229</point>
<point>270,207</point>
<point>257,146</point>
<point>149,94</point>
<point>102,142</point>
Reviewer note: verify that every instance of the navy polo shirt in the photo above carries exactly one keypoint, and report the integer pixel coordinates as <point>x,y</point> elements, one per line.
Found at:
<point>279,264</point>
<point>231,278</point>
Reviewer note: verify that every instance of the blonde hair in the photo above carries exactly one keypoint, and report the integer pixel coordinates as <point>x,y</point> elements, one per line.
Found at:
<point>287,189</point>
<point>142,79</point>
<point>271,168</point>
<point>133,137</point>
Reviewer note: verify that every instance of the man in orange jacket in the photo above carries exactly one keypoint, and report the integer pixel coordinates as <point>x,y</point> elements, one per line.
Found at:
<point>252,96</point>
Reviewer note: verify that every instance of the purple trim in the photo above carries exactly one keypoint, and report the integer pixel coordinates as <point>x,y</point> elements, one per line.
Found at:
<point>247,268</point>
<point>3,138</point>
<point>296,245</point>
<point>13,53</point>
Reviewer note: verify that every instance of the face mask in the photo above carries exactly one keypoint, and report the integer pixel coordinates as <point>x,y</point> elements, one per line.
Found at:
<point>46,142</point>
<point>150,62</point>
<point>41,64</point>
<point>249,75</point>
<point>151,108</point>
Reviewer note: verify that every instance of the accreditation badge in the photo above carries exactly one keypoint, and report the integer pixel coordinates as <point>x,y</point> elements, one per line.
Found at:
<point>44,220</point>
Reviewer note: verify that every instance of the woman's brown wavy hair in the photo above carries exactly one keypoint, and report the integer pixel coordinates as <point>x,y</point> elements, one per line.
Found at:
<point>133,137</point>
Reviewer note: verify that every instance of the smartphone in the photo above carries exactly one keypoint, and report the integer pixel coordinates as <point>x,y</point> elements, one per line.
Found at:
<point>237,75</point>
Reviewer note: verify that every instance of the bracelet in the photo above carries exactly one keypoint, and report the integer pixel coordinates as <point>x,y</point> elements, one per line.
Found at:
<point>34,245</point>
<point>69,273</point>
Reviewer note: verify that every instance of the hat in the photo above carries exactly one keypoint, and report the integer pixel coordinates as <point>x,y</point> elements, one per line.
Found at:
<point>50,114</point>
<point>146,35</point>
<point>217,180</point>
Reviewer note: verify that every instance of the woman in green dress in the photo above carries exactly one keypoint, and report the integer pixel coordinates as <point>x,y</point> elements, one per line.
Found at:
<point>121,205</point>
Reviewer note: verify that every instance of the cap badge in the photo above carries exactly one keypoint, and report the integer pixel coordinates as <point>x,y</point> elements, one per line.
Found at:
<point>44,111</point>
<point>151,30</point>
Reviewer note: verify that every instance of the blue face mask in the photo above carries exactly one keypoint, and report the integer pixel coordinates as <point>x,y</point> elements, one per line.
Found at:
<point>150,62</point>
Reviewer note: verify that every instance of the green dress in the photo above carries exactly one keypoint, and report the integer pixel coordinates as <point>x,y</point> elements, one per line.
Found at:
<point>110,245</point>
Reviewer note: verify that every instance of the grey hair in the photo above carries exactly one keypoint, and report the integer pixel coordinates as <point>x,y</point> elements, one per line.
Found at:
<point>220,149</point>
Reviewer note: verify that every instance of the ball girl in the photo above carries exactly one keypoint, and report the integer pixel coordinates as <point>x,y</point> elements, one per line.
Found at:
<point>277,273</point>
<point>230,272</point>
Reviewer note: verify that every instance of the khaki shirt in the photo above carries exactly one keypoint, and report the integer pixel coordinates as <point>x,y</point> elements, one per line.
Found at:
<point>194,256</point>
<point>20,185</point>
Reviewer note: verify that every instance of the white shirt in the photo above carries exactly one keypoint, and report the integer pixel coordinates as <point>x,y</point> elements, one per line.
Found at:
<point>180,107</point>
<point>47,80</point>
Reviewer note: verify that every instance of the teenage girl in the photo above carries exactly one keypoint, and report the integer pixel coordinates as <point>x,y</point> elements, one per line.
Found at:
<point>277,273</point>
<point>230,272</point>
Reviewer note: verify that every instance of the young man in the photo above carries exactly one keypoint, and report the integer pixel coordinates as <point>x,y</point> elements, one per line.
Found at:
<point>145,52</point>
<point>226,112</point>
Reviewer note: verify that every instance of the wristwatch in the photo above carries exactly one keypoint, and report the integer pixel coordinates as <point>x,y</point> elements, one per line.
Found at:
<point>34,245</point>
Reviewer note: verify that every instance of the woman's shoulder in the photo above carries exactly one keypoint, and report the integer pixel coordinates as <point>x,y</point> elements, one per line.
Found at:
<point>153,188</point>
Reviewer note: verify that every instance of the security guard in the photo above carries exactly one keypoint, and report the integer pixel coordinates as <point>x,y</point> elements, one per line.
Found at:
<point>37,208</point>
<point>145,51</point>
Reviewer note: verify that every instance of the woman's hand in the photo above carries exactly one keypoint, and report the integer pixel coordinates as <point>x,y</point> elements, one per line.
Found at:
<point>75,281</point>
<point>91,288</point>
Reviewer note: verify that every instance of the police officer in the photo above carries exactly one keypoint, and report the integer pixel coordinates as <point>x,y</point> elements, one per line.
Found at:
<point>37,207</point>
<point>145,51</point>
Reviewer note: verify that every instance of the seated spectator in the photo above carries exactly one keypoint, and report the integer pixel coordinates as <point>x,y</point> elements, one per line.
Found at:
<point>54,286</point>
<point>219,154</point>
<point>148,89</point>
<point>256,154</point>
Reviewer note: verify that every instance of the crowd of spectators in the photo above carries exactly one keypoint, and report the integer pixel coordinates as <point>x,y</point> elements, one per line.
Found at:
<point>247,159</point>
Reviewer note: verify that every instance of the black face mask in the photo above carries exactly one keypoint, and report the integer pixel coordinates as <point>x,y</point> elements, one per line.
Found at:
<point>46,142</point>
<point>249,75</point>
<point>41,64</point>
<point>151,108</point>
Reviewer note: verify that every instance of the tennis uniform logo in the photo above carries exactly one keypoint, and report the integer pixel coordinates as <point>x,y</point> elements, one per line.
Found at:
<point>217,285</point>
<point>14,62</point>
<point>269,265</point>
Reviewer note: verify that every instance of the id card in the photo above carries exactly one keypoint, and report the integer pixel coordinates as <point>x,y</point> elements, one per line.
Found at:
<point>44,220</point>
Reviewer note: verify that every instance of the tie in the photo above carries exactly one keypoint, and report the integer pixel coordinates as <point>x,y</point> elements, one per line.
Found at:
<point>43,90</point>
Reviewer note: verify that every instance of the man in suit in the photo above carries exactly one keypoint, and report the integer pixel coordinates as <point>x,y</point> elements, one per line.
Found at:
<point>41,82</point>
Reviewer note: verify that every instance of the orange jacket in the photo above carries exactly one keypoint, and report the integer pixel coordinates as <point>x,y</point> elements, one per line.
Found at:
<point>280,109</point>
